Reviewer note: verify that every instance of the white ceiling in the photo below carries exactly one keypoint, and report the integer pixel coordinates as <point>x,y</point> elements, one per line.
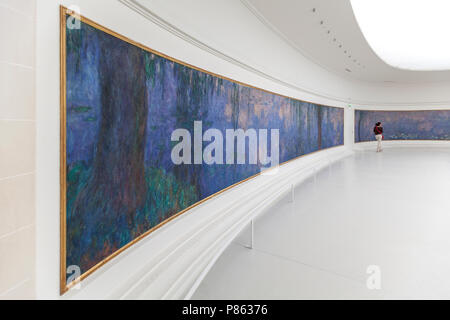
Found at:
<point>326,31</point>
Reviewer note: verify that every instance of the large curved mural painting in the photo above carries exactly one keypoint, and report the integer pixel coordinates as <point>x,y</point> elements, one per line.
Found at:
<point>122,103</point>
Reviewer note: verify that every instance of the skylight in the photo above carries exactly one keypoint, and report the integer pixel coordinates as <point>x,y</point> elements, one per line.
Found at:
<point>407,34</point>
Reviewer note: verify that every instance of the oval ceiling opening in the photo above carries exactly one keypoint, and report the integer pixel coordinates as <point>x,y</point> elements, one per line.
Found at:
<point>407,34</point>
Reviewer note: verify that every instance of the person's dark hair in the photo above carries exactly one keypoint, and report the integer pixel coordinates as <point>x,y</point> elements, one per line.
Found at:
<point>378,123</point>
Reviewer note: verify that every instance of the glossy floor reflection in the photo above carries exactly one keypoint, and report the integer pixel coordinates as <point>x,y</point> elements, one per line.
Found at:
<point>390,210</point>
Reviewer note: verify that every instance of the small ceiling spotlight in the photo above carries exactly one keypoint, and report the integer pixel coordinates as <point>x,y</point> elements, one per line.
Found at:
<point>348,70</point>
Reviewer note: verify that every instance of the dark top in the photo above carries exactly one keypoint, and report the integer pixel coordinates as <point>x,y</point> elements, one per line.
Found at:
<point>378,130</point>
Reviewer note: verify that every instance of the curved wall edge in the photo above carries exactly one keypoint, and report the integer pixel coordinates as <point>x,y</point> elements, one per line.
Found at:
<point>171,263</point>
<point>368,88</point>
<point>155,18</point>
<point>274,29</point>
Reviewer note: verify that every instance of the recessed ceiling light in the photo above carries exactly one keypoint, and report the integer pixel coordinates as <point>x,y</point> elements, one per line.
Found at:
<point>413,34</point>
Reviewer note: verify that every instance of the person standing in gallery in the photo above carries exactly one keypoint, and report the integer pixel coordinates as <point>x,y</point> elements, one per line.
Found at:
<point>378,130</point>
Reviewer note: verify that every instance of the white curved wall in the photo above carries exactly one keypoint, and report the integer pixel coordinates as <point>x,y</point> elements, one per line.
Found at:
<point>231,28</point>
<point>220,36</point>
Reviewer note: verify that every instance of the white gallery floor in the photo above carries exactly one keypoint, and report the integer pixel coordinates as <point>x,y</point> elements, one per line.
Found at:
<point>389,210</point>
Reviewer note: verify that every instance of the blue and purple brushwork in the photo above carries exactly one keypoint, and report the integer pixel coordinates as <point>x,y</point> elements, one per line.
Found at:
<point>123,103</point>
<point>403,125</point>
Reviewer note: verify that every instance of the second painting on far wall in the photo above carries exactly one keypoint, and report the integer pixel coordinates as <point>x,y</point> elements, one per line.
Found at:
<point>403,125</point>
